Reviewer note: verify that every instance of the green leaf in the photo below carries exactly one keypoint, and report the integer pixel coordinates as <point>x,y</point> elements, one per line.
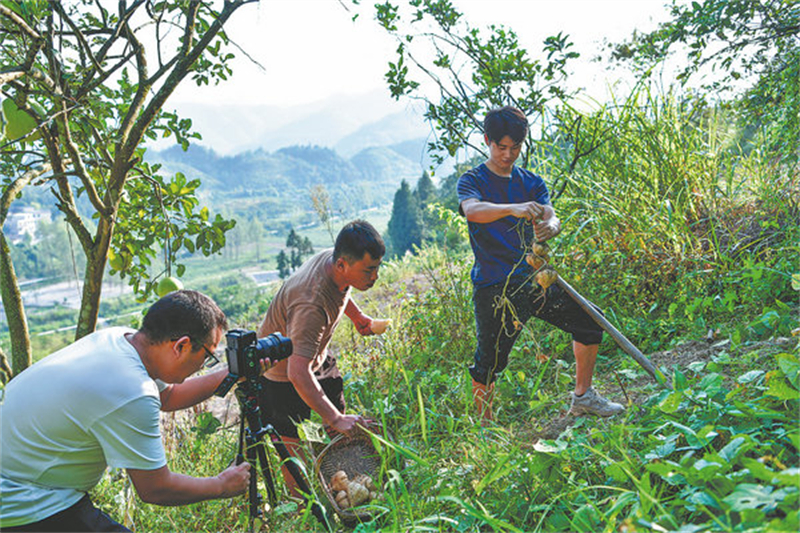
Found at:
<point>789,477</point>
<point>751,376</point>
<point>672,402</point>
<point>759,469</point>
<point>748,496</point>
<point>790,366</point>
<point>500,469</point>
<point>733,449</point>
<point>206,424</point>
<point>781,389</point>
<point>550,446</point>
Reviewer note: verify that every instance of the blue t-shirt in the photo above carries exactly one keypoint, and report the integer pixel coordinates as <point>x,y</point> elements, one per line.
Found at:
<point>498,246</point>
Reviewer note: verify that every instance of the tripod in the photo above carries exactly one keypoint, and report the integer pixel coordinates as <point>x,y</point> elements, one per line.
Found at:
<point>247,395</point>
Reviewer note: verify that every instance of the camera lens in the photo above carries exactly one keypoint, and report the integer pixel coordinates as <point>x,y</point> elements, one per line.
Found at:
<point>274,346</point>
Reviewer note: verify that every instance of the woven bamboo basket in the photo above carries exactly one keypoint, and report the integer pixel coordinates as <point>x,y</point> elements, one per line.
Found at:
<point>354,455</point>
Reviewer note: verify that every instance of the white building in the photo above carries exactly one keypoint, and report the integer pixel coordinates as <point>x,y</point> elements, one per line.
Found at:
<point>24,221</point>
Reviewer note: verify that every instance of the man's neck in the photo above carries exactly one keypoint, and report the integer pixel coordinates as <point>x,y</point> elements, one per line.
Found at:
<point>139,344</point>
<point>503,173</point>
<point>330,268</point>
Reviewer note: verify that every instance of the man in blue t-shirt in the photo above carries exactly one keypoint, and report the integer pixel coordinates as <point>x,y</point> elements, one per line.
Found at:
<point>507,207</point>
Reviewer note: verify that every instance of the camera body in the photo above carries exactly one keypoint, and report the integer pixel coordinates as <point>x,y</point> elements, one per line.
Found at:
<point>244,351</point>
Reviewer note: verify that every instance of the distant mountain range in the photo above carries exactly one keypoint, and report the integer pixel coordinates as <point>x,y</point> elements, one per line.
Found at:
<point>347,124</point>
<point>257,159</point>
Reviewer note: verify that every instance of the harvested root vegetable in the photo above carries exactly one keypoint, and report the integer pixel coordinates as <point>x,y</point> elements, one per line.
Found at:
<point>350,493</point>
<point>339,481</point>
<point>379,326</point>
<point>546,277</point>
<point>366,481</point>
<point>535,261</point>
<point>342,500</point>
<point>357,493</point>
<point>541,249</point>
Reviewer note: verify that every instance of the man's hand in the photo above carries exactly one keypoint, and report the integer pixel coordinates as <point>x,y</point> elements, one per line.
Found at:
<point>264,365</point>
<point>235,480</point>
<point>529,210</point>
<point>546,229</point>
<point>347,424</point>
<point>363,324</point>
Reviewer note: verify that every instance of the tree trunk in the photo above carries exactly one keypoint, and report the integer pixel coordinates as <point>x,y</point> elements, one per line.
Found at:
<point>15,311</point>
<point>93,277</point>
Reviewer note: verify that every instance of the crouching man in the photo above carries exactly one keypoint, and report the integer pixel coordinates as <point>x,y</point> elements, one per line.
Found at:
<point>96,404</point>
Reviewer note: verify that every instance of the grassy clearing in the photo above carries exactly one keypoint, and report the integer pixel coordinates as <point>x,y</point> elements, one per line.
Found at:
<point>689,244</point>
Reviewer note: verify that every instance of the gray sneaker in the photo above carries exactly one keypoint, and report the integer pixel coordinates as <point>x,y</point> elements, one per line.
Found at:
<point>591,403</point>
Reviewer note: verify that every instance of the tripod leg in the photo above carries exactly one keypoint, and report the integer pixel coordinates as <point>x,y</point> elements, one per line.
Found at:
<point>316,508</point>
<point>255,496</point>
<point>266,471</point>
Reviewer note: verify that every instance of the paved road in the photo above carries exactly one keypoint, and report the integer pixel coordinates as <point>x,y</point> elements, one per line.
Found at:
<point>67,293</point>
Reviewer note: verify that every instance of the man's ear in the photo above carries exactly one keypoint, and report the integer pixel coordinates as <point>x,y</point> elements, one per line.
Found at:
<point>486,140</point>
<point>179,345</point>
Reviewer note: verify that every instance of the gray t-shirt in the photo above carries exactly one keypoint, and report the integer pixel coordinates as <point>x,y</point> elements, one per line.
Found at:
<point>68,417</point>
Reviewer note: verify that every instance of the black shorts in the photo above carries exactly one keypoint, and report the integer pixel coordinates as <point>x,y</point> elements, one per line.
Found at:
<point>83,516</point>
<point>281,406</point>
<point>496,330</point>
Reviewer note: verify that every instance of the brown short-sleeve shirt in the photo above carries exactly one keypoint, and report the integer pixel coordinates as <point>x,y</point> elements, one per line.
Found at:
<point>307,309</point>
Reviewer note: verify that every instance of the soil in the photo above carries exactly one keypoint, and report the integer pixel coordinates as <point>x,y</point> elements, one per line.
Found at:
<point>679,357</point>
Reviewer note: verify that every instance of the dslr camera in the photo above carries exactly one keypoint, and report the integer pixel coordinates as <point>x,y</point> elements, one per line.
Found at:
<point>244,351</point>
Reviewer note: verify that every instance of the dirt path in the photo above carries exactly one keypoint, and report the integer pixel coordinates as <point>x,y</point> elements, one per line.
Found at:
<point>680,356</point>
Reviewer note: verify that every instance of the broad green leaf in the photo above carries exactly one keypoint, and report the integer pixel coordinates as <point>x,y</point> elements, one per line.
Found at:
<point>500,469</point>
<point>663,450</point>
<point>706,470</point>
<point>751,376</point>
<point>759,469</point>
<point>781,389</point>
<point>748,496</point>
<point>733,449</point>
<point>789,477</point>
<point>672,402</point>
<point>550,446</point>
<point>790,366</point>
<point>703,498</point>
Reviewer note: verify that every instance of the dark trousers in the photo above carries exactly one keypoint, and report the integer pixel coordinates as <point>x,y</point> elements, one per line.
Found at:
<point>498,324</point>
<point>83,516</point>
<point>284,409</point>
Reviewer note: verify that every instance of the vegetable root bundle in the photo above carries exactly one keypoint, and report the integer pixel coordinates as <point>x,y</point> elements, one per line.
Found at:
<point>538,258</point>
<point>350,493</point>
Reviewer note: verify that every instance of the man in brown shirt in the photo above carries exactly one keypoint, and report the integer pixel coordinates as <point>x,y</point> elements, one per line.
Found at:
<point>307,309</point>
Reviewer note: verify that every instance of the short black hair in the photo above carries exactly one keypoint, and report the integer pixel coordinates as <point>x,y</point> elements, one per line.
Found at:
<point>357,238</point>
<point>180,313</point>
<point>503,121</point>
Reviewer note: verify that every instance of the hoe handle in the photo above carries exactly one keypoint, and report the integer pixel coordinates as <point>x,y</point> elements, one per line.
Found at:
<point>609,328</point>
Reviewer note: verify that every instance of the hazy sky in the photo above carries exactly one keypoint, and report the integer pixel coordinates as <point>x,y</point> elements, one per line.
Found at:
<point>311,49</point>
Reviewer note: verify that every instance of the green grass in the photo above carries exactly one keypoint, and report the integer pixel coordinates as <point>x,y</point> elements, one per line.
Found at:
<point>680,236</point>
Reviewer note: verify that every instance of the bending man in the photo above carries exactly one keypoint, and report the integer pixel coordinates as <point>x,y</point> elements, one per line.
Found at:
<point>96,404</point>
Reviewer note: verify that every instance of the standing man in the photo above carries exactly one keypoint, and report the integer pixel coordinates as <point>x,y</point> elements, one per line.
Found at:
<point>502,203</point>
<point>95,404</point>
<point>307,309</point>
